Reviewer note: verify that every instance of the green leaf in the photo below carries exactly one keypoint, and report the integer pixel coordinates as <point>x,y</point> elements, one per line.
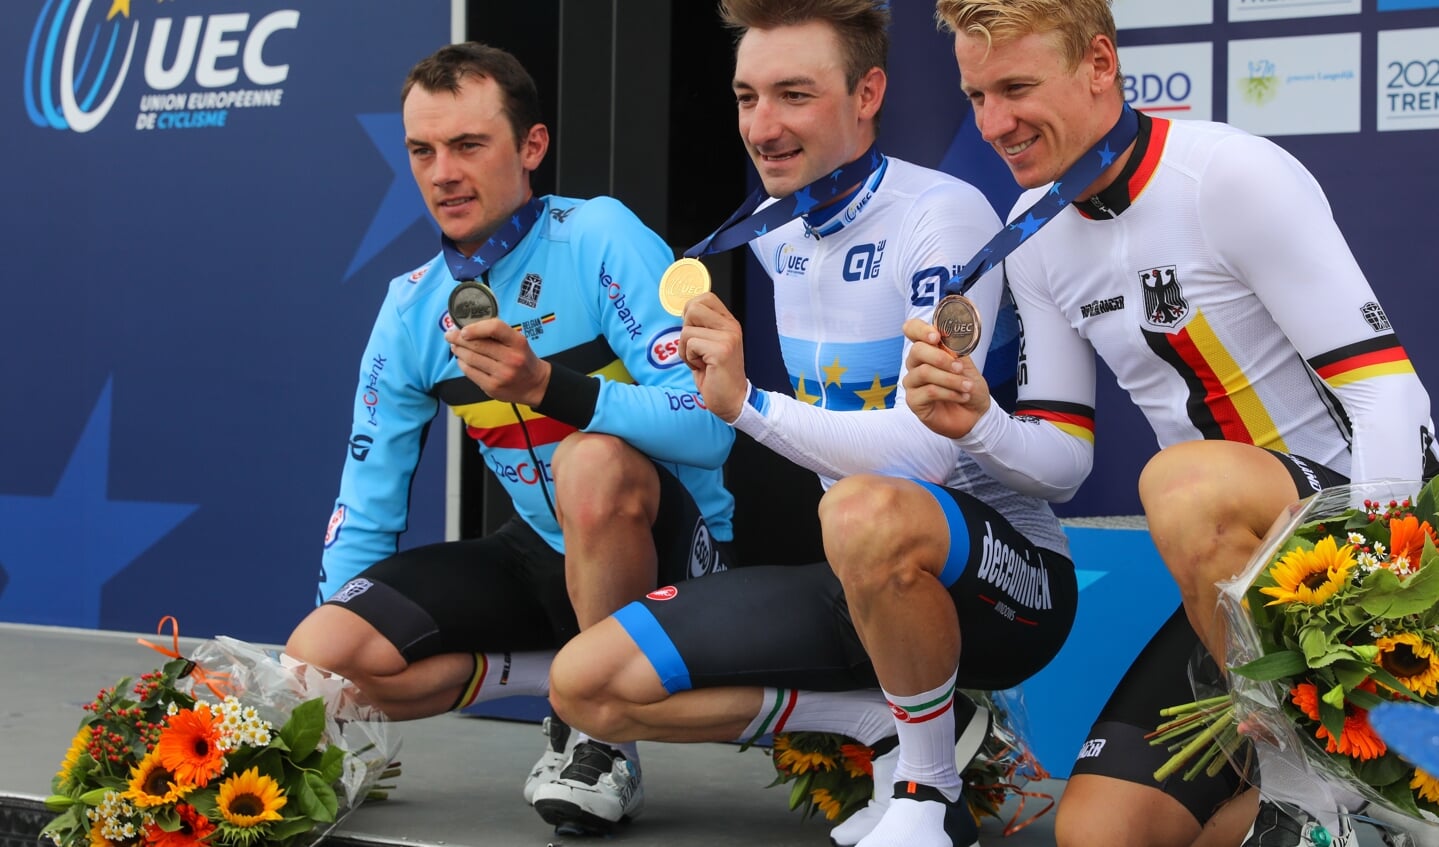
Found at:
<point>316,798</point>
<point>302,731</point>
<point>58,802</point>
<point>332,764</point>
<point>1393,598</point>
<point>166,818</point>
<point>94,797</point>
<point>1401,796</point>
<point>288,828</point>
<point>1272,666</point>
<point>1385,770</point>
<point>800,790</point>
<point>205,801</point>
<point>1331,710</point>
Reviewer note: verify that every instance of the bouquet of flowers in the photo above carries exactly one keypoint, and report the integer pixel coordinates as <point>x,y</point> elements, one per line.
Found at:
<point>227,747</point>
<point>834,775</point>
<point>1335,615</point>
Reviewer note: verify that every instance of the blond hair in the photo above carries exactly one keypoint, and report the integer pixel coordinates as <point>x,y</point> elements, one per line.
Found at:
<point>1075,22</point>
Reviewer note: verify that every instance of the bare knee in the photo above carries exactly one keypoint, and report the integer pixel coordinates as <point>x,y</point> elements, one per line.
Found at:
<point>342,642</point>
<point>600,479</point>
<point>881,534</point>
<point>587,679</point>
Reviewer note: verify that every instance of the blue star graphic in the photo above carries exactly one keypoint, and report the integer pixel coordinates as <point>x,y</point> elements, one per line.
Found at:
<point>802,201</point>
<point>1054,189</point>
<point>1029,226</point>
<point>764,228</point>
<point>402,205</point>
<point>1106,156</point>
<point>835,173</point>
<point>515,221</point>
<point>59,551</point>
<point>874,160</point>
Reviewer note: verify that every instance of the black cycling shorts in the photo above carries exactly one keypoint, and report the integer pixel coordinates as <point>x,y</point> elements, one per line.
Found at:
<point>506,591</point>
<point>790,626</point>
<point>1160,677</point>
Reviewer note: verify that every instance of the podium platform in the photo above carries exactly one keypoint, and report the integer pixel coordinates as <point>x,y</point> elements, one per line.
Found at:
<point>462,775</point>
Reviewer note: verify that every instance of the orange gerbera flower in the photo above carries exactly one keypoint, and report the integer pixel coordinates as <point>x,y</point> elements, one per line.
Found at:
<point>1310,576</point>
<point>194,829</point>
<point>858,760</point>
<point>189,746</point>
<point>1406,540</point>
<point>1357,739</point>
<point>1412,660</point>
<point>1426,785</point>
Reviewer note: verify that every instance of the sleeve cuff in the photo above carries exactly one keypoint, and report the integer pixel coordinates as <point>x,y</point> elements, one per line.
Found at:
<point>571,397</point>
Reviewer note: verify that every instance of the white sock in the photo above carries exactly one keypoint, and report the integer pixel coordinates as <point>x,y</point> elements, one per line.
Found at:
<point>926,738</point>
<point>507,675</point>
<point>862,715</point>
<point>1284,777</point>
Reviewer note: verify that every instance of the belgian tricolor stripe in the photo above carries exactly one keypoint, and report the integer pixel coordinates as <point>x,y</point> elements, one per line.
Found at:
<point>547,319</point>
<point>1071,418</point>
<point>516,426</point>
<point>1382,356</point>
<point>1223,404</point>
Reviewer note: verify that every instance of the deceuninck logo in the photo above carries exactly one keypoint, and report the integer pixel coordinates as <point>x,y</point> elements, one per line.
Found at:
<point>80,56</point>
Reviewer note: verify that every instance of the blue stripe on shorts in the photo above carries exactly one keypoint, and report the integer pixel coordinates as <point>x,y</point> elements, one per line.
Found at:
<point>641,625</point>
<point>958,558</point>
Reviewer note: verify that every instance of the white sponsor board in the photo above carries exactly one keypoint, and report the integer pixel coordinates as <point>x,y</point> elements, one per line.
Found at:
<point>1139,14</point>
<point>1263,10</point>
<point>1308,85</point>
<point>1170,80</point>
<point>1408,79</point>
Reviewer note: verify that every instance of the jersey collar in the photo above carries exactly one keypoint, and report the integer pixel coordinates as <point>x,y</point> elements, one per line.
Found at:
<point>836,216</point>
<point>1119,195</point>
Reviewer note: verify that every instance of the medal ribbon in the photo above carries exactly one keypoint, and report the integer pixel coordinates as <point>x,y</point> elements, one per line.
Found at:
<point>464,267</point>
<point>1064,191</point>
<point>745,224</point>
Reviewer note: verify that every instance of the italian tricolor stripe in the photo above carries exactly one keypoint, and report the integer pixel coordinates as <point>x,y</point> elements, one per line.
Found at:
<point>1223,404</point>
<point>927,711</point>
<point>1382,356</point>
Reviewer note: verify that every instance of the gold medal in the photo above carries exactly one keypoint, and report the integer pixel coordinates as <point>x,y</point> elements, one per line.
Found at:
<point>958,323</point>
<point>683,281</point>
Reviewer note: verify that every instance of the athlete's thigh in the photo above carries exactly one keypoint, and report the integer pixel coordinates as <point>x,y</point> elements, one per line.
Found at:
<point>684,546</point>
<point>1158,678</point>
<point>1006,591</point>
<point>777,626</point>
<point>482,594</point>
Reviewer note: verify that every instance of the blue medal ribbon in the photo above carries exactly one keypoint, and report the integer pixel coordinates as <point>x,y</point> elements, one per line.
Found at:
<point>745,224</point>
<point>498,245</point>
<point>1064,191</point>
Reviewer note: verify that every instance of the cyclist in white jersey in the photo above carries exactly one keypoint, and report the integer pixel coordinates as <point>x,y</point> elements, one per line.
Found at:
<point>909,521</point>
<point>1205,268</point>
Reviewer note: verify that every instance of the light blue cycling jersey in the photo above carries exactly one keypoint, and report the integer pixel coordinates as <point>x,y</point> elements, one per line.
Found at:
<point>581,286</point>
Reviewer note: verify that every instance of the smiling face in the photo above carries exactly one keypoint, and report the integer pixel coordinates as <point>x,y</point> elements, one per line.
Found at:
<point>1038,114</point>
<point>465,160</point>
<point>798,119</point>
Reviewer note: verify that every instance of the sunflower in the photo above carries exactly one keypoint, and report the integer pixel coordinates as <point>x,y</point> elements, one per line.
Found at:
<point>1357,739</point>
<point>1406,542</point>
<point>194,829</point>
<point>826,803</point>
<point>858,760</point>
<point>152,784</point>
<point>1426,785</point>
<point>189,746</point>
<point>250,799</point>
<point>1310,576</point>
<point>1412,660</point>
<point>68,776</point>
<point>789,759</point>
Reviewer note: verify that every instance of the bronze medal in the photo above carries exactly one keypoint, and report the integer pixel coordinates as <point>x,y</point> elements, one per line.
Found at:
<point>683,281</point>
<point>472,301</point>
<point>958,323</point>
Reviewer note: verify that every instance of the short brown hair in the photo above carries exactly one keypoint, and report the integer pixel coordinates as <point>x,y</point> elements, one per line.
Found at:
<point>450,65</point>
<point>999,21</point>
<point>862,26</point>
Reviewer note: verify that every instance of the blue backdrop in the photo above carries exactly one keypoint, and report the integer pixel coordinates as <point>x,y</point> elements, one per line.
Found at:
<point>203,203</point>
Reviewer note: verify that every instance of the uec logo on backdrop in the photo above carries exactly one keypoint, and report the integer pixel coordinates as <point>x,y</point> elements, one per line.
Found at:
<point>79,76</point>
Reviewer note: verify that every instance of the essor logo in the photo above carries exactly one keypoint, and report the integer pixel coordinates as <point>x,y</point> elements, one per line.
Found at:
<point>1158,92</point>
<point>337,522</point>
<point>76,64</point>
<point>664,349</point>
<point>524,473</point>
<point>685,401</point>
<point>419,274</point>
<point>667,593</point>
<point>360,447</point>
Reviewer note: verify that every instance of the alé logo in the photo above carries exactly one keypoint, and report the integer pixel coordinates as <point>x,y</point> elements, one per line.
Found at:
<point>81,53</point>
